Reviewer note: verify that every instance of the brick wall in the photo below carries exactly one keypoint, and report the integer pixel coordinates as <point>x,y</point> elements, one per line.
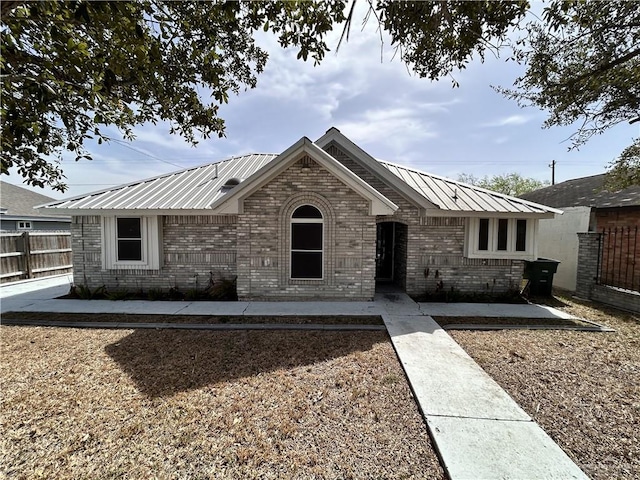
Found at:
<point>193,247</point>
<point>264,236</point>
<point>435,247</point>
<point>617,217</point>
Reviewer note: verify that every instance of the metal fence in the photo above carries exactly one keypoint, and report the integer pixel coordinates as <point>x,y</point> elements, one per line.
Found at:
<point>619,255</point>
<point>34,254</point>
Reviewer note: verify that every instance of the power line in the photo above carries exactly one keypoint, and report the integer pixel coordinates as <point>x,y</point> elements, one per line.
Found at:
<point>126,145</point>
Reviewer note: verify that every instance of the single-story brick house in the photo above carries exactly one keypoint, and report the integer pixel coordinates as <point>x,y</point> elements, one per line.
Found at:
<point>321,220</point>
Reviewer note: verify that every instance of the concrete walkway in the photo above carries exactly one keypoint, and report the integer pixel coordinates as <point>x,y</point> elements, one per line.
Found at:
<point>477,428</point>
<point>479,431</point>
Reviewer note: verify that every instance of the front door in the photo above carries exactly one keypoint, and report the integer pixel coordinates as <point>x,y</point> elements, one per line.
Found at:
<point>385,248</point>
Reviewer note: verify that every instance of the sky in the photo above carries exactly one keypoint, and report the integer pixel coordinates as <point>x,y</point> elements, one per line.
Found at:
<point>373,99</point>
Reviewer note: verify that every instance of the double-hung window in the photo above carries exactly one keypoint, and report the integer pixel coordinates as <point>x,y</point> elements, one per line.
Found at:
<point>131,242</point>
<point>500,238</point>
<point>307,243</point>
<point>129,238</point>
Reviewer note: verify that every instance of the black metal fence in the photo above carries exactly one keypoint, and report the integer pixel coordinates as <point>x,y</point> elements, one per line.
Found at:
<point>619,256</point>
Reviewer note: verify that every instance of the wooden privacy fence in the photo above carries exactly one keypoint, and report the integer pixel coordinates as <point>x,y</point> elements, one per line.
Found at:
<point>26,255</point>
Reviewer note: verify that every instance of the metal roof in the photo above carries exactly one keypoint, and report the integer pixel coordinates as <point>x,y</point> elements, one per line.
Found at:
<point>451,195</point>
<point>190,189</point>
<point>197,188</point>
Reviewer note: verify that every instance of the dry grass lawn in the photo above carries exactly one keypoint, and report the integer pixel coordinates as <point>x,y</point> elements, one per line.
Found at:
<point>191,404</point>
<point>583,388</point>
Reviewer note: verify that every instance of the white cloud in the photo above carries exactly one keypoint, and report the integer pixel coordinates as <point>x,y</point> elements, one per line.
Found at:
<point>510,120</point>
<point>398,126</point>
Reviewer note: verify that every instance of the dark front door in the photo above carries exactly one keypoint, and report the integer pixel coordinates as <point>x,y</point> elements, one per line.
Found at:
<point>384,251</point>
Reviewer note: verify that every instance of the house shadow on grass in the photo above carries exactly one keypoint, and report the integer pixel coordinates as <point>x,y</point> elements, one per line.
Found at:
<point>165,362</point>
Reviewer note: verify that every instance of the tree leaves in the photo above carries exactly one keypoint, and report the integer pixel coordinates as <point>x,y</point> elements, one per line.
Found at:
<point>72,68</point>
<point>512,184</point>
<point>583,65</point>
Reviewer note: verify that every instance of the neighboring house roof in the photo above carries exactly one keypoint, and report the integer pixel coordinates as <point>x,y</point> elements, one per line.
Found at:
<point>585,192</point>
<point>18,202</point>
<point>203,188</point>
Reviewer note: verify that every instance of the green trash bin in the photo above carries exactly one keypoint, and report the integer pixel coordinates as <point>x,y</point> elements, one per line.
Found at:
<point>540,275</point>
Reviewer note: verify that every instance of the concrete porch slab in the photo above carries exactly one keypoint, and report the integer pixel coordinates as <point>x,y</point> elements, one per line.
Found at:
<point>474,448</point>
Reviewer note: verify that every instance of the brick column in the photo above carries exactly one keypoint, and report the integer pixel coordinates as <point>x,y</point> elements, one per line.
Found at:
<point>588,249</point>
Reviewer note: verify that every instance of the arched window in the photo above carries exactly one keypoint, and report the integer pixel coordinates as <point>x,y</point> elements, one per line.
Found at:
<point>307,242</point>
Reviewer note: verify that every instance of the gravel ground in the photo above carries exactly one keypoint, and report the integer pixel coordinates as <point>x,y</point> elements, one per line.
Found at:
<point>190,404</point>
<point>583,388</point>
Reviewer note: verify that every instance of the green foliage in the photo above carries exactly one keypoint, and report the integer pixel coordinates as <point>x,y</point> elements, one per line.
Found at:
<point>625,170</point>
<point>512,184</point>
<point>85,293</point>
<point>155,294</point>
<point>583,65</point>
<point>223,290</point>
<point>192,294</point>
<point>455,296</point>
<point>69,69</point>
<point>436,38</point>
<point>120,294</point>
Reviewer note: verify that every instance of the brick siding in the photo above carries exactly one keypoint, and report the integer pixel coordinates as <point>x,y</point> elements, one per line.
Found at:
<point>264,232</point>
<point>194,247</point>
<point>617,217</point>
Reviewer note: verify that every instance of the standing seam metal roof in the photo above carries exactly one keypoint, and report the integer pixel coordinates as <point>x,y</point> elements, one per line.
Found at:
<point>193,188</point>
<point>452,195</point>
<point>197,188</point>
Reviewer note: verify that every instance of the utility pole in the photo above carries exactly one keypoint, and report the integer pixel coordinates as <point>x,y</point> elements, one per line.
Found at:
<point>552,165</point>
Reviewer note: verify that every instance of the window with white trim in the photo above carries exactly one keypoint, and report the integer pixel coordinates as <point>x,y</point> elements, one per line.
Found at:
<point>24,225</point>
<point>129,239</point>
<point>501,238</point>
<point>131,243</point>
<point>307,243</point>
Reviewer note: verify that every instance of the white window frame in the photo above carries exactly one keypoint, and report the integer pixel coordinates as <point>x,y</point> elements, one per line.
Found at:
<point>151,244</point>
<point>473,232</point>
<point>292,250</point>
<point>24,225</point>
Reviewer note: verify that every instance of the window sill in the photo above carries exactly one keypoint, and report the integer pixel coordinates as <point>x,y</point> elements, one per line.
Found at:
<point>502,256</point>
<point>307,281</point>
